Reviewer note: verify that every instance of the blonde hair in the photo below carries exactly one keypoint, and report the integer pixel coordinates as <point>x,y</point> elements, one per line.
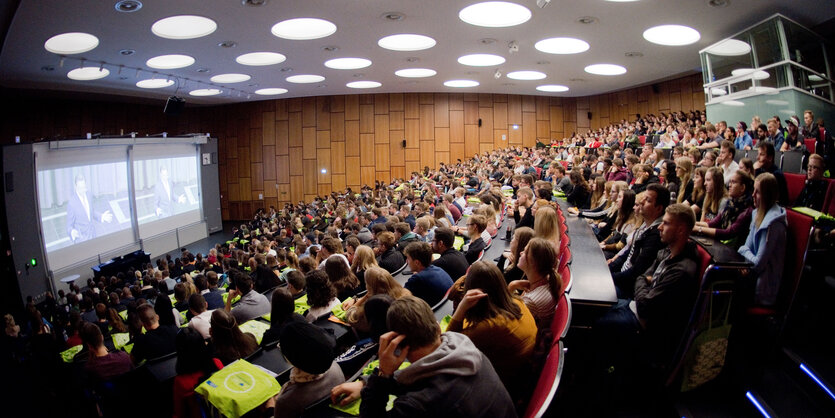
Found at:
<point>546,225</point>
<point>712,200</point>
<point>687,166</point>
<point>363,259</point>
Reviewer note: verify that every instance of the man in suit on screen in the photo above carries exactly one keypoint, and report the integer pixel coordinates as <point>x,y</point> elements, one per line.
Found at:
<point>164,195</point>
<point>81,215</point>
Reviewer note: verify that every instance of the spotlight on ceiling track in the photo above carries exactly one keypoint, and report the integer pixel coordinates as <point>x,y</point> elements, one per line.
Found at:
<point>253,3</point>
<point>542,3</point>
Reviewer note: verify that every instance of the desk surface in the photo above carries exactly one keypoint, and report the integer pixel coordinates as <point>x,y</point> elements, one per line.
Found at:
<point>720,253</point>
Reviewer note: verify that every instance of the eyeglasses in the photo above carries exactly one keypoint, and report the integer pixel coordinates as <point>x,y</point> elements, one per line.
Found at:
<point>816,167</point>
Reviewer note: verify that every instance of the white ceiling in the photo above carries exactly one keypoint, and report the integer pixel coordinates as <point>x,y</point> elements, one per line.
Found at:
<point>360,24</point>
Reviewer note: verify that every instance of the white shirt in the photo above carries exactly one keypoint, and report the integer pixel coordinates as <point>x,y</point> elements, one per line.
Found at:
<point>201,323</point>
<point>729,170</point>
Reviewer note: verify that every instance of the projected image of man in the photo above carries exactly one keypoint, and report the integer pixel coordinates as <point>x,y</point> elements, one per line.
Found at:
<point>164,194</point>
<point>82,216</point>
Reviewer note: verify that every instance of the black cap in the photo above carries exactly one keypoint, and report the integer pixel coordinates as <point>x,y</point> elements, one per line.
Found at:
<point>307,347</point>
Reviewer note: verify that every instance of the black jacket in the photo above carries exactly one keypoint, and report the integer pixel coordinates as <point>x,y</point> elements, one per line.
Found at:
<point>474,250</point>
<point>391,260</point>
<point>453,262</point>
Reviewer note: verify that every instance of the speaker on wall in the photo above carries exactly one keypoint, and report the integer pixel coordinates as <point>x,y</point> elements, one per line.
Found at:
<point>404,143</point>
<point>589,114</point>
<point>174,106</point>
<point>656,88</point>
<point>479,122</point>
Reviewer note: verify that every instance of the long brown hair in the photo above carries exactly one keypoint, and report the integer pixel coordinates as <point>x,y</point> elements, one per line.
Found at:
<point>768,195</point>
<point>687,167</point>
<point>227,337</point>
<point>340,274</point>
<point>542,257</point>
<point>698,195</point>
<point>523,236</point>
<point>712,200</point>
<point>499,302</point>
<point>363,259</point>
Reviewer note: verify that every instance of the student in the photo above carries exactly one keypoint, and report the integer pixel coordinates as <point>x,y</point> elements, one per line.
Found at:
<point>251,305</point>
<point>452,261</point>
<point>542,286</point>
<point>102,365</point>
<point>476,225</point>
<point>229,342</point>
<point>427,282</point>
<point>194,364</point>
<point>157,341</point>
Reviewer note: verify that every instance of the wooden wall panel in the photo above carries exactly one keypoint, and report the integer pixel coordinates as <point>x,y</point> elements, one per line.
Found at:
<point>278,147</point>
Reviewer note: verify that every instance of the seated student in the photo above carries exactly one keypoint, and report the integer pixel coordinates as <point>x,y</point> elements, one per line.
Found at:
<point>207,286</point>
<point>157,341</point>
<point>448,375</point>
<point>180,290</point>
<point>229,342</point>
<point>343,279</point>
<point>387,256</point>
<point>541,286</point>
<point>321,295</point>
<point>314,373</point>
<point>580,192</point>
<point>715,194</point>
<point>547,225</point>
<point>296,284</point>
<point>452,261</point>
<point>814,192</point>
<point>427,282</point>
<point>403,235</point>
<point>499,324</point>
<point>283,313</point>
<point>765,164</point>
<point>510,257</point>
<point>252,304</point>
<point>476,225</point>
<point>265,278</point>
<point>378,282</point>
<point>194,365</point>
<point>765,246</point>
<point>102,365</point>
<point>732,223</point>
<point>664,296</point>
<point>627,266</point>
<point>201,316</point>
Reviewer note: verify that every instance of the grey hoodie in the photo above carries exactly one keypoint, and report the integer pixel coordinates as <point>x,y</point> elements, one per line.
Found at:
<point>455,380</point>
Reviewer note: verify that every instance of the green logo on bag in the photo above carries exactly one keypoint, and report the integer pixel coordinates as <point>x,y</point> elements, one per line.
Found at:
<point>239,382</point>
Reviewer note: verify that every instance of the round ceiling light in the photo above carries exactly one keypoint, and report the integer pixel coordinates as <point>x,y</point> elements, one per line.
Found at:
<point>734,103</point>
<point>303,28</point>
<point>183,27</point>
<point>730,48</point>
<point>755,74</point>
<point>363,84</point>
<point>672,35</point>
<point>304,78</point>
<point>128,6</point>
<point>88,73</point>
<point>763,90</point>
<point>168,62</point>
<point>415,72</point>
<point>495,14</point>
<point>154,83</point>
<point>718,91</point>
<point>271,91</point>
<point>777,102</point>
<point>260,58</point>
<point>205,92</point>
<point>406,42</point>
<point>461,83</point>
<point>347,63</point>
<point>562,46</point>
<point>526,75</point>
<point>552,88</point>
<point>815,77</point>
<point>230,78</point>
<point>605,69</point>
<point>481,60</point>
<point>71,43</point>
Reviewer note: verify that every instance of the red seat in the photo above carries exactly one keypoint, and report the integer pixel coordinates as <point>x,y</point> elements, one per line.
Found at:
<point>794,184</point>
<point>565,258</point>
<point>642,139</point>
<point>810,144</point>
<point>565,275</point>
<point>562,318</point>
<point>549,381</point>
<point>538,172</point>
<point>480,255</point>
<point>564,163</point>
<point>829,200</point>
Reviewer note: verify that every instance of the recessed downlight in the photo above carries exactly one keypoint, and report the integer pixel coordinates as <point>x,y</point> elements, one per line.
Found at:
<point>205,92</point>
<point>552,88</point>
<point>271,91</point>
<point>71,43</point>
<point>461,83</point>
<point>562,46</point>
<point>406,42</point>
<point>154,83</point>
<point>171,61</point>
<point>88,73</point>
<point>304,78</point>
<point>415,72</point>
<point>495,14</point>
<point>672,35</point>
<point>605,69</point>
<point>347,63</point>
<point>526,75</point>
<point>260,58</point>
<point>303,28</point>
<point>128,6</point>
<point>730,48</point>
<point>481,60</point>
<point>363,84</point>
<point>230,78</point>
<point>183,27</point>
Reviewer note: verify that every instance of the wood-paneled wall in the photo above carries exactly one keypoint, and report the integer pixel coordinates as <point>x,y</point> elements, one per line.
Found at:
<point>275,151</point>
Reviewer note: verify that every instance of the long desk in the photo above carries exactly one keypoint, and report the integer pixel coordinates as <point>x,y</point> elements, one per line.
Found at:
<point>592,289</point>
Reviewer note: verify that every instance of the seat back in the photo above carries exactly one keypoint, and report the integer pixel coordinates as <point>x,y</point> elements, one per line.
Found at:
<point>565,258</point>
<point>396,272</point>
<point>791,162</point>
<point>794,184</point>
<point>562,318</point>
<point>829,200</point>
<point>565,275</point>
<point>798,235</point>
<point>549,381</point>
<point>753,153</point>
<point>480,255</point>
<point>810,144</point>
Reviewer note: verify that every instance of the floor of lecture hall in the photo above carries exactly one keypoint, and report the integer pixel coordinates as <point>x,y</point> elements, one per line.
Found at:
<point>204,245</point>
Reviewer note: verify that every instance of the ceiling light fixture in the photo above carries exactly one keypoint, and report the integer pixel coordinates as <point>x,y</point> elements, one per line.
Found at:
<point>481,60</point>
<point>202,70</point>
<point>526,75</point>
<point>587,20</point>
<point>393,16</point>
<point>406,42</point>
<point>271,91</point>
<point>461,83</point>
<point>562,46</point>
<point>47,68</point>
<point>128,6</point>
<point>260,58</point>
<point>718,3</point>
<point>363,84</point>
<point>71,43</point>
<point>169,62</point>
<point>729,48</point>
<point>605,69</point>
<point>672,35</point>
<point>552,88</point>
<point>495,14</point>
<point>755,74</point>
<point>88,73</point>
<point>303,28</point>
<point>633,54</point>
<point>415,72</point>
<point>347,63</point>
<point>183,27</point>
<point>154,83</point>
<point>253,3</point>
<point>304,78</point>
<point>734,103</point>
<point>230,78</point>
<point>206,92</point>
<point>227,44</point>
<point>330,48</point>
